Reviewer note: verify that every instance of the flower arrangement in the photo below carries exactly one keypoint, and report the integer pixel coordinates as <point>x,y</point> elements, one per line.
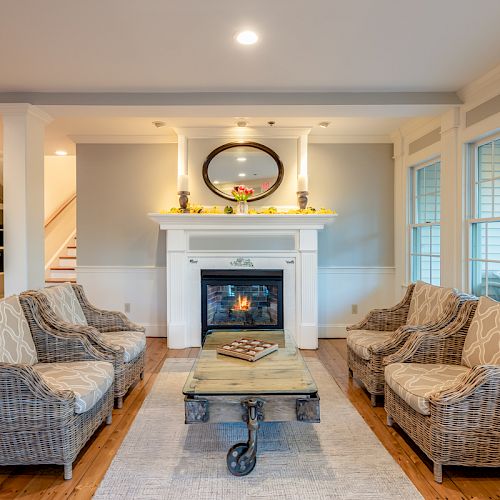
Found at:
<point>242,193</point>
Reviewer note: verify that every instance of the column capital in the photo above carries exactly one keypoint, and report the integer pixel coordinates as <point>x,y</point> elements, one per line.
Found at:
<point>450,120</point>
<point>25,109</point>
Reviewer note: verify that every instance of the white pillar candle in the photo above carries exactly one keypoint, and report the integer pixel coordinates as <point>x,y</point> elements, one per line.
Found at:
<point>302,183</point>
<point>182,183</point>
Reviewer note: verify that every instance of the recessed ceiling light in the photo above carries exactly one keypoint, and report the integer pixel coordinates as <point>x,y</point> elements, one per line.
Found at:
<point>241,158</point>
<point>242,123</point>
<point>158,123</point>
<point>323,124</point>
<point>216,182</point>
<point>242,175</point>
<point>247,37</point>
<point>61,152</point>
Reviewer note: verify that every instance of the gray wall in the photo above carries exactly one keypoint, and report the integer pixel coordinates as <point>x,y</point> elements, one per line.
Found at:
<point>117,185</point>
<point>357,180</point>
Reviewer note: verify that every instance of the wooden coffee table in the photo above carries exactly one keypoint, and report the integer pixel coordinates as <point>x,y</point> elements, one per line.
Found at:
<point>276,388</point>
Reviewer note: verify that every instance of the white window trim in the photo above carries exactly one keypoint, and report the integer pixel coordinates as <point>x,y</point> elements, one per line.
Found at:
<point>413,211</point>
<point>472,205</point>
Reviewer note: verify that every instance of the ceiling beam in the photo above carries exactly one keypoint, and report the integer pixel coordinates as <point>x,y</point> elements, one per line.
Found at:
<point>232,98</point>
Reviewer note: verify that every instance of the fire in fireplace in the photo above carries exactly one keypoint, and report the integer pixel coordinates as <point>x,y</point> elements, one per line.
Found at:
<point>241,299</point>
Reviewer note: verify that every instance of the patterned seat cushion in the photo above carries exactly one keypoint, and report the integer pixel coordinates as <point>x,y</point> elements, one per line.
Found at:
<point>64,302</point>
<point>360,341</point>
<point>133,342</point>
<point>428,303</point>
<point>16,342</point>
<point>89,380</point>
<point>415,382</point>
<point>482,343</point>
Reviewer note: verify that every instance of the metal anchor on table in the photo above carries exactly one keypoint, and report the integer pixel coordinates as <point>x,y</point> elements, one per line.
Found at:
<point>242,457</point>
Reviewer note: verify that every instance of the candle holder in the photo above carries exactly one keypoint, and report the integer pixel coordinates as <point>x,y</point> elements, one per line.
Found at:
<point>302,199</point>
<point>183,200</point>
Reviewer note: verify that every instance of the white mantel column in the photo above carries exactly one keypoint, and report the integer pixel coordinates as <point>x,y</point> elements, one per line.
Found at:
<point>23,173</point>
<point>307,290</point>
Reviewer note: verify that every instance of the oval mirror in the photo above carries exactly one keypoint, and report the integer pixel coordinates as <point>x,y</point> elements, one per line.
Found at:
<point>249,163</point>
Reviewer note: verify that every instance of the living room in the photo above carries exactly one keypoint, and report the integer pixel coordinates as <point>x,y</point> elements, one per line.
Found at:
<point>236,178</point>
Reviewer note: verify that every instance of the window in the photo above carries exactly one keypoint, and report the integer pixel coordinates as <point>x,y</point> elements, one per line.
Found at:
<point>485,219</point>
<point>425,255</point>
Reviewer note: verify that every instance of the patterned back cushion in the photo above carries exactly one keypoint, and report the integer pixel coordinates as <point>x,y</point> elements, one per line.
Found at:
<point>482,344</point>
<point>64,303</point>
<point>428,303</point>
<point>16,342</point>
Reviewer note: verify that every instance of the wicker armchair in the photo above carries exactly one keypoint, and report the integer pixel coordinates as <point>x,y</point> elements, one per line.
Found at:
<point>443,389</point>
<point>56,389</point>
<point>66,307</point>
<point>383,331</point>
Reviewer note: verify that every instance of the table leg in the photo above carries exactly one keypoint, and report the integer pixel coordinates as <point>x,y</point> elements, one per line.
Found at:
<point>242,457</point>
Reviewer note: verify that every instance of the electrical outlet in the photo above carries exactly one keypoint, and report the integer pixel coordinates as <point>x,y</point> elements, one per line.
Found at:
<point>354,308</point>
<point>127,307</point>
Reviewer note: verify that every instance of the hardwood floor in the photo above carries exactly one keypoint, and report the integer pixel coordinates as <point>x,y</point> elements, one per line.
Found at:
<point>44,482</point>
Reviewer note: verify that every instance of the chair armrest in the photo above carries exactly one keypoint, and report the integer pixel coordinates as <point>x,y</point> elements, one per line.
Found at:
<point>386,320</point>
<point>103,320</point>
<point>29,403</point>
<point>441,345</point>
<point>471,404</point>
<point>57,341</point>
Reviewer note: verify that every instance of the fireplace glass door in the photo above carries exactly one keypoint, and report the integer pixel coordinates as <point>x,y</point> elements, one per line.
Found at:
<point>241,300</point>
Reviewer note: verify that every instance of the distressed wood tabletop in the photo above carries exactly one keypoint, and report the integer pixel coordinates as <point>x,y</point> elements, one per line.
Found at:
<point>281,372</point>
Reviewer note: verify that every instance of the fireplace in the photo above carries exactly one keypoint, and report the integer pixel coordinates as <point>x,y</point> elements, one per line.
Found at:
<point>249,299</point>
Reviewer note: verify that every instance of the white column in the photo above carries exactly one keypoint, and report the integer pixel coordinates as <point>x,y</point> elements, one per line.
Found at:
<point>451,201</point>
<point>307,290</point>
<point>23,146</point>
<point>401,243</point>
<point>177,302</point>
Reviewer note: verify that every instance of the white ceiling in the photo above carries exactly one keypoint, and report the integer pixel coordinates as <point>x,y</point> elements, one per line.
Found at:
<point>187,45</point>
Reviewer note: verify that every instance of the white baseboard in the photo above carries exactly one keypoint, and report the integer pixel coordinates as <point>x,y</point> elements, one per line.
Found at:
<point>332,331</point>
<point>156,330</point>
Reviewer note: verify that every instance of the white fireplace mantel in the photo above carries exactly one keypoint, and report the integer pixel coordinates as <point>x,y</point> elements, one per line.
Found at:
<point>286,241</point>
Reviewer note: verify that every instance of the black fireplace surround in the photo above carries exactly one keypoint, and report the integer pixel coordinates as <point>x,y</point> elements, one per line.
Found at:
<point>247,299</point>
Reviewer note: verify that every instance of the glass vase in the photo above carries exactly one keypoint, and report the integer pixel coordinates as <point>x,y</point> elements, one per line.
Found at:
<point>242,208</point>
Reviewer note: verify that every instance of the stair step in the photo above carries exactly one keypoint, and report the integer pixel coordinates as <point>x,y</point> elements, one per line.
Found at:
<point>67,261</point>
<point>63,268</point>
<point>71,251</point>
<point>60,280</point>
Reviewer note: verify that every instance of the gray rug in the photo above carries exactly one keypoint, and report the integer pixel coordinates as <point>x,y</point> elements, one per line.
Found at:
<point>163,458</point>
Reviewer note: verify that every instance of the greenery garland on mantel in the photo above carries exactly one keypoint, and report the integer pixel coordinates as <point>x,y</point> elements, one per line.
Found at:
<point>199,209</point>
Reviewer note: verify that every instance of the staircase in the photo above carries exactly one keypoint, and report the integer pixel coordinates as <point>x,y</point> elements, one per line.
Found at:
<point>66,269</point>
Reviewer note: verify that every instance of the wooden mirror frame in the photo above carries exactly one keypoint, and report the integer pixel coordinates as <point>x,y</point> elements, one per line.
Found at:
<point>250,144</point>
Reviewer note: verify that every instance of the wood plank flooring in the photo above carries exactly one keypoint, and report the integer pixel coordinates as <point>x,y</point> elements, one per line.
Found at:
<point>46,482</point>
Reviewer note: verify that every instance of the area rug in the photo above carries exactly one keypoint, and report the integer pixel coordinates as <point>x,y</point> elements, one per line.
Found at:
<point>162,458</point>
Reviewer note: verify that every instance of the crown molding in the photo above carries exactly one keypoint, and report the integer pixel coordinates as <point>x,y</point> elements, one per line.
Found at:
<point>350,139</point>
<point>124,139</point>
<point>481,89</point>
<point>23,109</point>
<point>242,133</point>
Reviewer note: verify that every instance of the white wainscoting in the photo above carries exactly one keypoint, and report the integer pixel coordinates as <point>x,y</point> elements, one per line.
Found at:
<point>144,288</point>
<point>341,287</point>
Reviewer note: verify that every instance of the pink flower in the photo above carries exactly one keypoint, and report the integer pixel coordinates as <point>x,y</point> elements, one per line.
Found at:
<point>241,189</point>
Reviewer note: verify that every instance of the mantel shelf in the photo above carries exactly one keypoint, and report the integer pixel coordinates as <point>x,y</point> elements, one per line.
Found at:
<point>203,222</point>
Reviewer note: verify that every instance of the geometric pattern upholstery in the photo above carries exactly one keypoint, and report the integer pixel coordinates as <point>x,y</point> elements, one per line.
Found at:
<point>360,341</point>
<point>427,303</point>
<point>132,342</point>
<point>64,303</point>
<point>16,342</point>
<point>415,382</point>
<point>88,380</point>
<point>482,343</point>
